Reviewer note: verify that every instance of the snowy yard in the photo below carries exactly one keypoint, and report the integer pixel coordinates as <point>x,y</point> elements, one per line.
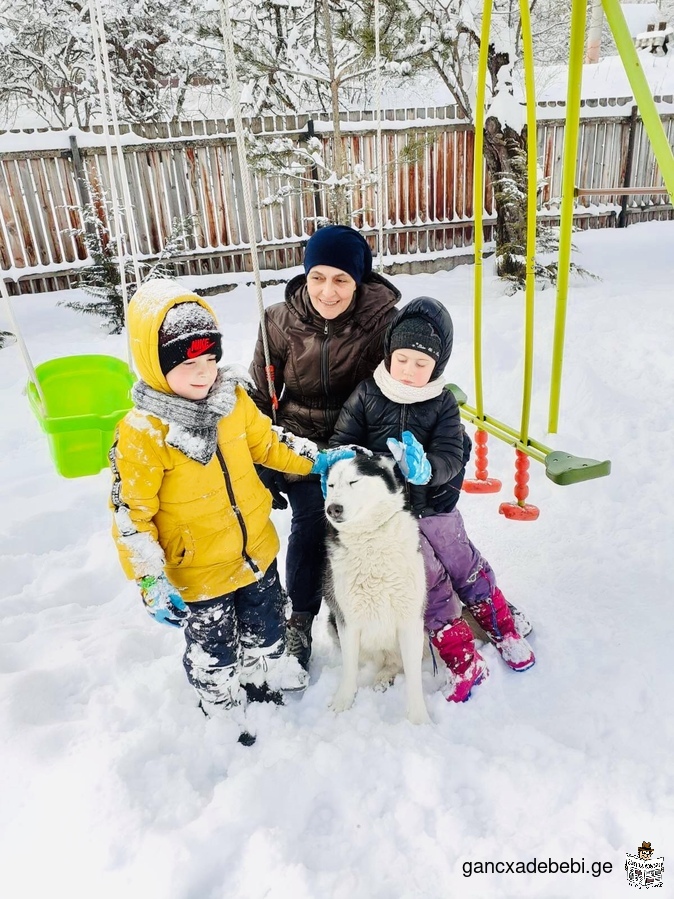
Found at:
<point>113,784</point>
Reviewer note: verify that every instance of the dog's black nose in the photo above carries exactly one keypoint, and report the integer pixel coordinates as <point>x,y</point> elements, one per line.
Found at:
<point>335,511</point>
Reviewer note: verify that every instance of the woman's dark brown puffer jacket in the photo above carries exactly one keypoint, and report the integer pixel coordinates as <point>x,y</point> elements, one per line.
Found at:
<point>318,363</point>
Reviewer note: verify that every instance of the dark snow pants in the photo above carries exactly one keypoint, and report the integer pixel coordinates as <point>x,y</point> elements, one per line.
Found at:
<point>456,571</point>
<point>220,632</point>
<point>305,555</point>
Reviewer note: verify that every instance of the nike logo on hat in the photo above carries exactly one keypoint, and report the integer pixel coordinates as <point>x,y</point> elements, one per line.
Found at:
<point>199,346</point>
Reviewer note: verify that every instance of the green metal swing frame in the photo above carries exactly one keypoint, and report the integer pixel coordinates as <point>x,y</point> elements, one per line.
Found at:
<point>560,467</point>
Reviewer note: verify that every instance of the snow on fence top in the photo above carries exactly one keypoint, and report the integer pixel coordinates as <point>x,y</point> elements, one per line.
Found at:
<point>21,140</point>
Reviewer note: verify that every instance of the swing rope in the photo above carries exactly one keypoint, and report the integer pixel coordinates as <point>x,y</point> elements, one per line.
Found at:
<point>104,78</point>
<point>98,38</point>
<point>379,154</point>
<point>28,362</point>
<point>230,57</point>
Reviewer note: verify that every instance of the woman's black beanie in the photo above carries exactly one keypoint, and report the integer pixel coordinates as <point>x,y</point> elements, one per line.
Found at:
<point>340,247</point>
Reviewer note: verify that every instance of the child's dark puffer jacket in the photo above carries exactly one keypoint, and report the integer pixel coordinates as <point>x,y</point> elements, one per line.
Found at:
<point>368,419</point>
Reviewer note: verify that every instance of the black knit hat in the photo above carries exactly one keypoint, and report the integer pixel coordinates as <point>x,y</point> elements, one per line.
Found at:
<point>187,332</point>
<point>340,247</point>
<point>416,333</point>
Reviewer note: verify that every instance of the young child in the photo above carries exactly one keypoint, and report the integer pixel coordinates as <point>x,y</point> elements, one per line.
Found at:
<point>191,516</point>
<point>406,399</point>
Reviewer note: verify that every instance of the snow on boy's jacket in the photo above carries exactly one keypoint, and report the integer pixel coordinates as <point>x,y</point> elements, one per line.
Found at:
<point>203,525</point>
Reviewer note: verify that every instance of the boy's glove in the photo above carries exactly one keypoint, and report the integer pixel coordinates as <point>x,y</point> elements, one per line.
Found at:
<point>410,458</point>
<point>326,459</point>
<point>162,600</point>
<point>275,484</point>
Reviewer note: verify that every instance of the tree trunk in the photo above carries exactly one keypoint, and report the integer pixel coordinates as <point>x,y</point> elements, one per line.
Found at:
<point>341,214</point>
<point>505,153</point>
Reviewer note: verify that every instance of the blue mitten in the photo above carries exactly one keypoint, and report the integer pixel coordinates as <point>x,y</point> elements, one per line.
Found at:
<point>410,458</point>
<point>162,600</point>
<point>326,459</point>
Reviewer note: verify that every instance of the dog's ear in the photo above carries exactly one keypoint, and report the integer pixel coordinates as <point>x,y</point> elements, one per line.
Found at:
<point>386,462</point>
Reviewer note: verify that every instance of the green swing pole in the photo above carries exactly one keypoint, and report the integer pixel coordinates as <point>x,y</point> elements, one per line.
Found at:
<point>571,132</point>
<point>656,133</point>
<point>642,92</point>
<point>532,177</point>
<point>560,467</point>
<point>478,202</point>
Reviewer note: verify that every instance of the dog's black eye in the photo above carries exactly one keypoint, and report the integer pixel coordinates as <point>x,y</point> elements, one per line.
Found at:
<point>351,483</point>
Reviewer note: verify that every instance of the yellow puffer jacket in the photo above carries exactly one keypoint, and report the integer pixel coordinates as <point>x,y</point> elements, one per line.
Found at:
<point>207,527</point>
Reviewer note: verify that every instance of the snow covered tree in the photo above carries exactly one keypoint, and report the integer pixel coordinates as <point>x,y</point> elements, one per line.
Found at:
<point>449,38</point>
<point>47,63</point>
<point>102,279</point>
<point>306,55</point>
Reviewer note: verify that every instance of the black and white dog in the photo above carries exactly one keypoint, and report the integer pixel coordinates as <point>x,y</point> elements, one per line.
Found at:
<point>375,582</point>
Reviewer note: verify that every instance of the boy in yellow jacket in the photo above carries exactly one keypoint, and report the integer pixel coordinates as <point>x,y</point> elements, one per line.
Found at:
<point>191,516</point>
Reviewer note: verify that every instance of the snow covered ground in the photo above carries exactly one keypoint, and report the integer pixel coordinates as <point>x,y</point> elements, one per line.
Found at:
<point>113,784</point>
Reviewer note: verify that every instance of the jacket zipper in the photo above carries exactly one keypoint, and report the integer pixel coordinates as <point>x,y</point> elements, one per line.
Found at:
<point>403,427</point>
<point>324,358</point>
<point>242,524</point>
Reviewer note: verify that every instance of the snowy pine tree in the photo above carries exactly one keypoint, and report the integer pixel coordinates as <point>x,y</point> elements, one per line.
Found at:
<point>102,280</point>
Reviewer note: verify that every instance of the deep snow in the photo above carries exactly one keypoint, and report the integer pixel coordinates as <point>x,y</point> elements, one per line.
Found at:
<point>113,783</point>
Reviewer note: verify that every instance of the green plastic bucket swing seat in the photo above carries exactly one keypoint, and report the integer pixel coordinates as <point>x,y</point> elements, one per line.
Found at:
<point>85,397</point>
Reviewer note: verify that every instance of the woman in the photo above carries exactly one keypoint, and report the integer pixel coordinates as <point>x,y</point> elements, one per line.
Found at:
<point>324,339</point>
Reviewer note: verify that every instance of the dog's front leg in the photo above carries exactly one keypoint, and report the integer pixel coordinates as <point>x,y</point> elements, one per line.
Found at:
<point>349,640</point>
<point>411,641</point>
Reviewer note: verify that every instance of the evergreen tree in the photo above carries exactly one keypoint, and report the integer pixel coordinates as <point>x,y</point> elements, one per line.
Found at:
<point>102,279</point>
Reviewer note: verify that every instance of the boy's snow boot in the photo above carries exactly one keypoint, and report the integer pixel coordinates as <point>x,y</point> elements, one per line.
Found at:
<point>285,673</point>
<point>495,618</point>
<point>264,668</point>
<point>466,667</point>
<point>262,693</point>
<point>298,637</point>
<point>224,710</point>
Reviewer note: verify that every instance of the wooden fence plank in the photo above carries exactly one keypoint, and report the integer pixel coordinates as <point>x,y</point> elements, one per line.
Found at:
<point>21,215</point>
<point>12,227</point>
<point>192,169</point>
<point>42,198</point>
<point>57,203</point>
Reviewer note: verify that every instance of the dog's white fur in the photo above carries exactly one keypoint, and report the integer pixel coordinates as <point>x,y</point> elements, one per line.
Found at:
<point>375,584</point>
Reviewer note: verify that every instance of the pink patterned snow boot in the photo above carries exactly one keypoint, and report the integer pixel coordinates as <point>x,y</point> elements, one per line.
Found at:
<point>466,667</point>
<point>495,618</point>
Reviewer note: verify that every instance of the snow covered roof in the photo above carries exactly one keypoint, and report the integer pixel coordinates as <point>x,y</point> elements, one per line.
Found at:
<point>607,78</point>
<point>640,15</point>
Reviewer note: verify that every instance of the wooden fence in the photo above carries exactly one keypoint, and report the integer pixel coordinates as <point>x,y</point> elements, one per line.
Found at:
<point>176,170</point>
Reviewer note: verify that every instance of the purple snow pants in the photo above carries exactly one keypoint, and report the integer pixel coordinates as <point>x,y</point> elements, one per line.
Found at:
<point>456,572</point>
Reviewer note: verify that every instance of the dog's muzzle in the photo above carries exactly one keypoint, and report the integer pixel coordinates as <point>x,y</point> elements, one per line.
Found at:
<point>335,512</point>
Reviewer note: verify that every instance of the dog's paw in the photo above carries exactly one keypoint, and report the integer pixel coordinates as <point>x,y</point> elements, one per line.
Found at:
<point>383,681</point>
<point>418,716</point>
<point>342,701</point>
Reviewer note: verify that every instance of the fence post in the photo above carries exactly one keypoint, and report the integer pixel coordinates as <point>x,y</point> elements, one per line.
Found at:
<point>81,184</point>
<point>318,206</point>
<point>622,218</point>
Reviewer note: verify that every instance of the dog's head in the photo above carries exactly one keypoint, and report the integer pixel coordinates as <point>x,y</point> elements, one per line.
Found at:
<point>362,491</point>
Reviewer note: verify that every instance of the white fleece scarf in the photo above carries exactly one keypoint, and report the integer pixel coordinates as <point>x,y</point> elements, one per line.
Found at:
<point>402,393</point>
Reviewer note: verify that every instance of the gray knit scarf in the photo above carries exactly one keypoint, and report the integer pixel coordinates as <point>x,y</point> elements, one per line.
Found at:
<point>402,393</point>
<point>193,424</point>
